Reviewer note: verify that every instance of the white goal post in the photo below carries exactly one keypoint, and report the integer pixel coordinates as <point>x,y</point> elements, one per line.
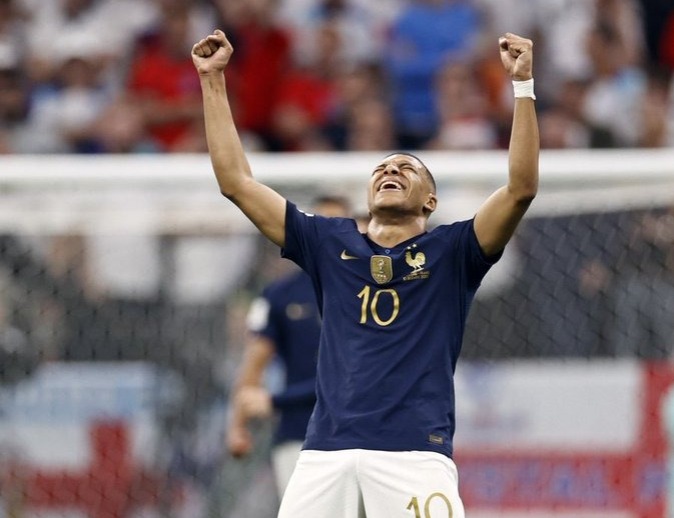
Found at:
<point>176,193</point>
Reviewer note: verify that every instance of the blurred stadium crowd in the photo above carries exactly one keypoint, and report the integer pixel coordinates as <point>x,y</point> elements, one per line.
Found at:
<point>115,76</point>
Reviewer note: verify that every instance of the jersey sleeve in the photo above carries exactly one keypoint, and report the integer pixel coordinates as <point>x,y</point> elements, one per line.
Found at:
<point>303,238</point>
<point>476,262</point>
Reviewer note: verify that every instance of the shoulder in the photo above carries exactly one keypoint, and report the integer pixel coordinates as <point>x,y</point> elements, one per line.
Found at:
<point>343,224</point>
<point>322,223</point>
<point>452,231</point>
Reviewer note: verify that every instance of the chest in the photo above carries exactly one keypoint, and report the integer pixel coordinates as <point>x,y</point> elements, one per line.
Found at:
<point>417,265</point>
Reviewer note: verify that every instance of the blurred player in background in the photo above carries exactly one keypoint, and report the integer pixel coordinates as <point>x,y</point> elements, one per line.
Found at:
<point>284,322</point>
<point>393,302</point>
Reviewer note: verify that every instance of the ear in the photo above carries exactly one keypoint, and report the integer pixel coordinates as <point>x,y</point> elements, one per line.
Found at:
<point>431,204</point>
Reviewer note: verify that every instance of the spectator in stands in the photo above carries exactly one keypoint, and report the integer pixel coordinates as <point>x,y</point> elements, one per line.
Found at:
<point>255,89</point>
<point>624,17</point>
<point>410,40</point>
<point>354,22</point>
<point>654,122</point>
<point>558,22</point>
<point>380,13</point>
<point>66,108</point>
<point>562,125</point>
<point>611,101</point>
<point>499,16</point>
<point>12,28</point>
<point>665,52</point>
<point>120,128</point>
<point>160,82</point>
<point>370,126</point>
<point>463,107</point>
<point>559,130</point>
<point>308,96</point>
<point>657,20</point>
<point>425,35</point>
<point>53,25</point>
<point>15,132</point>
<point>357,85</point>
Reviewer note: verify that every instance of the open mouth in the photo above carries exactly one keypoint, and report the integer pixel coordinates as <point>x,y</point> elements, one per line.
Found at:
<point>390,185</point>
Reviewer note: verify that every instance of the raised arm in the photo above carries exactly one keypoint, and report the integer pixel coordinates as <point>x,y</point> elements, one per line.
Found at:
<point>498,217</point>
<point>262,205</point>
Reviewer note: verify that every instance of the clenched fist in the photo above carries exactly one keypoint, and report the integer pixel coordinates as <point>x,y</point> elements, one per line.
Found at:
<point>517,56</point>
<point>212,53</point>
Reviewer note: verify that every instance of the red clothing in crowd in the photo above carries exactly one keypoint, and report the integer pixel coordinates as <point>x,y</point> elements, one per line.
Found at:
<point>667,43</point>
<point>260,62</point>
<point>157,75</point>
<point>314,95</point>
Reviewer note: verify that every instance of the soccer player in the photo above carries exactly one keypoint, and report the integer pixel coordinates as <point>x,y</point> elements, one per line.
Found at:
<point>283,322</point>
<point>393,303</point>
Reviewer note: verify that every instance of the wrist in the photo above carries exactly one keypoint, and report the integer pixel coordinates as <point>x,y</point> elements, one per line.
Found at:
<point>211,76</point>
<point>524,88</point>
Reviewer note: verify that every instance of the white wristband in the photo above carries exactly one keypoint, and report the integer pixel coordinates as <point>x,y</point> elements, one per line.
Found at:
<point>524,88</point>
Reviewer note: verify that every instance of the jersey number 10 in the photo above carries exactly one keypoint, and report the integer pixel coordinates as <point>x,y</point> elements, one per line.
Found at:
<point>371,301</point>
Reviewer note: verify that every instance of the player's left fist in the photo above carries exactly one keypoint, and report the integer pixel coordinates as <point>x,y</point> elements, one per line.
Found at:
<point>517,56</point>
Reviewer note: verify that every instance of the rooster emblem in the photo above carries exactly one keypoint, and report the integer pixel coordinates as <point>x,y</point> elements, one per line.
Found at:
<point>416,261</point>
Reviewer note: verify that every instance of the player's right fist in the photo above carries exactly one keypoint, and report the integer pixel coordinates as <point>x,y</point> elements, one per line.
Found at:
<point>212,53</point>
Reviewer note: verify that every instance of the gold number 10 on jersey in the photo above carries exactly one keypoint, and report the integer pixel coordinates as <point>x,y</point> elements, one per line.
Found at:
<point>414,504</point>
<point>371,304</point>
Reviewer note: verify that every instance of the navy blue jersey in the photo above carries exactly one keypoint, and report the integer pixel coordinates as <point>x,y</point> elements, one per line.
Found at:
<point>287,314</point>
<point>393,322</point>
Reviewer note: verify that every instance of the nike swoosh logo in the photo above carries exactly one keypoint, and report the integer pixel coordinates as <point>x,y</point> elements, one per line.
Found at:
<point>346,257</point>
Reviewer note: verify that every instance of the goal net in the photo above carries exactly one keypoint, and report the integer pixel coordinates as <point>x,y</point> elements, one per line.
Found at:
<point>124,286</point>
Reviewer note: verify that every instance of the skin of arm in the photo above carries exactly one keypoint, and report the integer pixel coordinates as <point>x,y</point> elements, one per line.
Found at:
<point>262,205</point>
<point>249,398</point>
<point>498,217</point>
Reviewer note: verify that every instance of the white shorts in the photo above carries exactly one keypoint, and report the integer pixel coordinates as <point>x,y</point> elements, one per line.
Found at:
<point>372,484</point>
<point>283,460</point>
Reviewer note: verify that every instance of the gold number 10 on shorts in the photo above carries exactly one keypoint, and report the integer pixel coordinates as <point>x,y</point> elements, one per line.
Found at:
<point>371,305</point>
<point>414,504</point>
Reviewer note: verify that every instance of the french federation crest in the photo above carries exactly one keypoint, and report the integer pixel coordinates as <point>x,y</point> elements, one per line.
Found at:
<point>416,260</point>
<point>381,268</point>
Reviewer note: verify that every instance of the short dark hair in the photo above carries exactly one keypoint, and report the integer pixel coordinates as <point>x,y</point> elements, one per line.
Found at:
<point>425,169</point>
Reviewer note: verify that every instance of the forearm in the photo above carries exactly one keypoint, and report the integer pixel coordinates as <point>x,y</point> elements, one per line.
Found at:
<point>523,153</point>
<point>498,217</point>
<point>227,156</point>
<point>261,204</point>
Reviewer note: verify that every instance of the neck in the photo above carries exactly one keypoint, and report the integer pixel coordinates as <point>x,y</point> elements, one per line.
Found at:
<point>389,232</point>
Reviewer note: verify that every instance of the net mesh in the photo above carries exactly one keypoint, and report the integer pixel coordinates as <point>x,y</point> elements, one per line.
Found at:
<point>123,296</point>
